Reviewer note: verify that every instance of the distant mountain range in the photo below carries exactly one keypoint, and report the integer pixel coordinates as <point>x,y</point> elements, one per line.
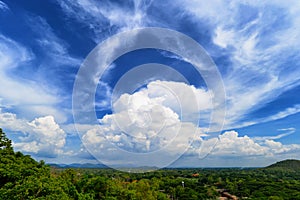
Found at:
<point>290,164</point>
<point>101,166</point>
<point>79,165</point>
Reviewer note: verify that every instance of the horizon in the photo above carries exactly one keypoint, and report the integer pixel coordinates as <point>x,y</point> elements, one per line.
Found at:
<point>80,165</point>
<point>146,83</point>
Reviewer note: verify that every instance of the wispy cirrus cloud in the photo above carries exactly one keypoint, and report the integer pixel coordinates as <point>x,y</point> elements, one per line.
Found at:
<point>287,131</point>
<point>277,116</point>
<point>13,55</point>
<point>106,17</point>
<point>251,37</point>
<point>55,49</point>
<point>18,94</point>
<point>3,6</point>
<point>36,89</point>
<point>287,112</point>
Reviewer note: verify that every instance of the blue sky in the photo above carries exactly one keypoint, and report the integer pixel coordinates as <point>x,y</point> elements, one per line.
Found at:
<point>254,46</point>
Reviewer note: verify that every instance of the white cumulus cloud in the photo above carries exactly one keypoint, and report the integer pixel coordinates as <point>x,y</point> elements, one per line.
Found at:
<point>230,143</point>
<point>150,120</point>
<point>41,136</point>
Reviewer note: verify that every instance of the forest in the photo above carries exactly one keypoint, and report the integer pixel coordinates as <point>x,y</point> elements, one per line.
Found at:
<point>21,177</point>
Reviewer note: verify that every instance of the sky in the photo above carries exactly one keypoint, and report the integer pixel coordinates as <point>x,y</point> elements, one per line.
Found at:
<point>151,83</point>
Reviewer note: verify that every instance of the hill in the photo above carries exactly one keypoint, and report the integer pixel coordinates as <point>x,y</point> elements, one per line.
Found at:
<point>79,165</point>
<point>290,164</point>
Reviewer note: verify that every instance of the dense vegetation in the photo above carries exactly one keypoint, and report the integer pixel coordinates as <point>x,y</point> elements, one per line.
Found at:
<point>292,165</point>
<point>21,177</point>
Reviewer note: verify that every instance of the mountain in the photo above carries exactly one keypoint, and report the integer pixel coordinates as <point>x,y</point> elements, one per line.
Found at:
<point>78,165</point>
<point>102,166</point>
<point>290,164</point>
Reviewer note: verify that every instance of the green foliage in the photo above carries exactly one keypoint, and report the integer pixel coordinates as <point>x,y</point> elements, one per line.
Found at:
<point>290,164</point>
<point>21,177</point>
<point>5,144</point>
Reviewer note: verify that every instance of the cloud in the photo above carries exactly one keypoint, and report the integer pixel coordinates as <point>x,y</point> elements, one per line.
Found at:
<point>213,150</point>
<point>3,6</point>
<point>103,96</point>
<point>288,131</point>
<point>288,111</point>
<point>280,115</point>
<point>47,134</point>
<point>279,148</point>
<point>233,145</point>
<point>12,90</point>
<point>41,137</point>
<point>10,121</point>
<point>152,114</point>
<point>149,120</point>
<point>55,48</point>
<point>230,143</point>
<point>251,34</point>
<point>107,17</point>
<point>251,40</point>
<point>19,93</point>
<point>260,41</point>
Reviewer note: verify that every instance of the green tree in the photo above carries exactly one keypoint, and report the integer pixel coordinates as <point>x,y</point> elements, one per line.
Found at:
<point>21,177</point>
<point>5,144</point>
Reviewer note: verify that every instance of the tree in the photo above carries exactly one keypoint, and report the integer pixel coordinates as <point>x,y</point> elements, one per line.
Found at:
<point>21,177</point>
<point>5,143</point>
